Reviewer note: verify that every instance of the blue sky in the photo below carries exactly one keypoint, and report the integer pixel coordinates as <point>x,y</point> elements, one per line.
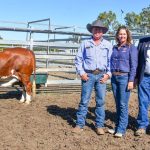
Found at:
<point>63,12</point>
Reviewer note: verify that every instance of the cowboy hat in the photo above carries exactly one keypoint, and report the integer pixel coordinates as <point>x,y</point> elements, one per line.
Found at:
<point>96,23</point>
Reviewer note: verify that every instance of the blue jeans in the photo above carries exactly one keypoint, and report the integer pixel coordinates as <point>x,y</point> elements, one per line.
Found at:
<point>121,95</point>
<point>144,100</point>
<point>100,90</point>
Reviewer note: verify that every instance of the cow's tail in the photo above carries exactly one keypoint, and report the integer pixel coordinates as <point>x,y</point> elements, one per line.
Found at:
<point>34,77</point>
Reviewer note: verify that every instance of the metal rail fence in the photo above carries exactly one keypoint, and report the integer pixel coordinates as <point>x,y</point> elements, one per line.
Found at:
<point>54,55</point>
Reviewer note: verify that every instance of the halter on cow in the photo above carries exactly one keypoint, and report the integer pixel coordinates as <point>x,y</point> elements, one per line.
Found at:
<point>18,63</point>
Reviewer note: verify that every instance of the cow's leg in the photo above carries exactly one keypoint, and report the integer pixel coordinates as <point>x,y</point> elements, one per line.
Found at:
<point>9,83</point>
<point>28,98</point>
<point>23,97</point>
<point>28,86</point>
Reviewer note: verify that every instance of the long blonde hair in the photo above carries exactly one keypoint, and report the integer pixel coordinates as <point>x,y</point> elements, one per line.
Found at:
<point>129,38</point>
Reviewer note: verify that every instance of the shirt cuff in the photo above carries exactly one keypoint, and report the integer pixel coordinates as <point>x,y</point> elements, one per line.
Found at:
<point>109,73</point>
<point>81,72</point>
<point>131,79</point>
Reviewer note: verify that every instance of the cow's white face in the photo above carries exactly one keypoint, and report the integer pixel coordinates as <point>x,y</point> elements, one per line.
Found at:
<point>9,83</point>
<point>4,77</point>
<point>12,75</point>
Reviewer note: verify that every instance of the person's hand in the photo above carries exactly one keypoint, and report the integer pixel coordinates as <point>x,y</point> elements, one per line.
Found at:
<point>105,78</point>
<point>84,77</point>
<point>130,85</point>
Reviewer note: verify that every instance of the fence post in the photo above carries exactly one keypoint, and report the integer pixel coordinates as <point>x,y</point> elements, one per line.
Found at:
<point>31,44</point>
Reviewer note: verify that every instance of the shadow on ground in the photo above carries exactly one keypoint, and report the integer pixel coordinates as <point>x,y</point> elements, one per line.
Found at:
<point>11,95</point>
<point>69,114</point>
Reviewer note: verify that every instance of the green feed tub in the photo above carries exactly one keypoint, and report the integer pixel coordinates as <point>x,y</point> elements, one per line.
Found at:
<point>41,78</point>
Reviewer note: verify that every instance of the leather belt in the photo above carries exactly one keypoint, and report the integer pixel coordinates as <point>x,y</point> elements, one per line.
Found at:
<point>119,73</point>
<point>95,72</point>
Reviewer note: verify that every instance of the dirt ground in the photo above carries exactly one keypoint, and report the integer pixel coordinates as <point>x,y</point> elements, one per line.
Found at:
<point>47,122</point>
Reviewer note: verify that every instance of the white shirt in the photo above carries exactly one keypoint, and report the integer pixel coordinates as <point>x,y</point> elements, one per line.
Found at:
<point>147,67</point>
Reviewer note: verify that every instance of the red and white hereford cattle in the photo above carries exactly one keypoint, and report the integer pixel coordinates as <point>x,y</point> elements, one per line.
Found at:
<point>18,63</point>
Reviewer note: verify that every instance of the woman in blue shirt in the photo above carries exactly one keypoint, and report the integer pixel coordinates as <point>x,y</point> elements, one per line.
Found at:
<point>123,68</point>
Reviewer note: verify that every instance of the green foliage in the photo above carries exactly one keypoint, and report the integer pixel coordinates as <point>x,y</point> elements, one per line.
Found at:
<point>145,18</point>
<point>108,18</point>
<point>132,20</point>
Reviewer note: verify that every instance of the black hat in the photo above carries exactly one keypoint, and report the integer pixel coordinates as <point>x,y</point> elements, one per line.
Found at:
<point>96,23</point>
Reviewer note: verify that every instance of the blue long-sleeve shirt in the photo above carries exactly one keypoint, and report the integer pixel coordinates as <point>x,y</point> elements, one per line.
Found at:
<point>91,56</point>
<point>125,59</point>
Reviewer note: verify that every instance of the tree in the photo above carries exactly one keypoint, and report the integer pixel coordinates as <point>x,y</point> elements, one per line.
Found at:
<point>145,19</point>
<point>115,25</point>
<point>133,20</point>
<point>109,19</point>
<point>139,22</point>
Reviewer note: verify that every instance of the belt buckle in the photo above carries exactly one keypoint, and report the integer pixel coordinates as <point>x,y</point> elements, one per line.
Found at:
<point>116,73</point>
<point>119,73</point>
<point>96,71</point>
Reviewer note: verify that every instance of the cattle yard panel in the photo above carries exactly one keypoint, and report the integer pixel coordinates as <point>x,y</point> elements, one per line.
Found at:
<point>62,61</point>
<point>58,61</point>
<point>52,62</point>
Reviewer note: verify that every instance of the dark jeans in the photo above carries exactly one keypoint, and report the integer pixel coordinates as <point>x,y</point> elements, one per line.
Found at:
<point>121,95</point>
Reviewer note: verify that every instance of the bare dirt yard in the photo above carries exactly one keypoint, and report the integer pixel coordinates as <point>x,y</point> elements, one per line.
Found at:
<point>47,122</point>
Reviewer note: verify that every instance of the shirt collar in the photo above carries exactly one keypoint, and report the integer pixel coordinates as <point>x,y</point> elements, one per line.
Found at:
<point>125,45</point>
<point>101,40</point>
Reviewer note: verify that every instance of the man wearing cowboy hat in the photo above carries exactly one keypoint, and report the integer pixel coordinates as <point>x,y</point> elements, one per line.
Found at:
<point>93,65</point>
